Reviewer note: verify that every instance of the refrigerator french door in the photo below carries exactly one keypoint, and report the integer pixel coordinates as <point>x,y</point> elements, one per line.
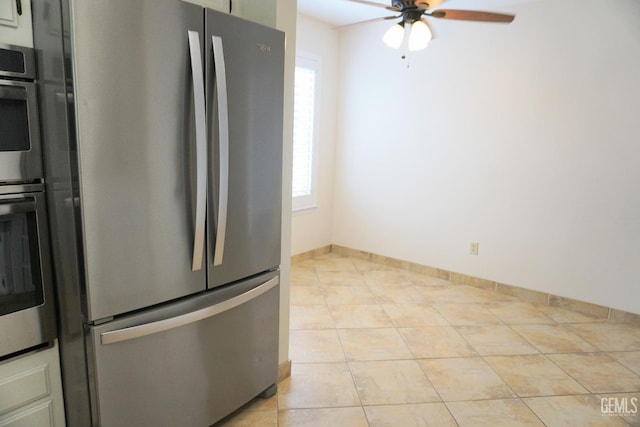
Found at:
<point>178,128</point>
<point>243,60</point>
<point>135,131</point>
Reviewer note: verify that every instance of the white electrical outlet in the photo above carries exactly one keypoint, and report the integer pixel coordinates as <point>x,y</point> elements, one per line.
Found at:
<point>473,248</point>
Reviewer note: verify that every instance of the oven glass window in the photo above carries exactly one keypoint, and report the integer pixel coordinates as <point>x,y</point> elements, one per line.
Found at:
<point>20,280</point>
<point>14,125</point>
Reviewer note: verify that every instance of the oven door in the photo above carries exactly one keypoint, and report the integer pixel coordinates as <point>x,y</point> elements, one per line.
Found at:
<point>26,305</point>
<point>20,158</point>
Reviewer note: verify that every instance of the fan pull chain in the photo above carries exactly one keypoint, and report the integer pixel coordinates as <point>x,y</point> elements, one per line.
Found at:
<point>405,44</point>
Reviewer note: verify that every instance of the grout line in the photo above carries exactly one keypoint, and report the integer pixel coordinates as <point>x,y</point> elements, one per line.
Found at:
<point>533,412</point>
<point>434,272</point>
<point>484,358</point>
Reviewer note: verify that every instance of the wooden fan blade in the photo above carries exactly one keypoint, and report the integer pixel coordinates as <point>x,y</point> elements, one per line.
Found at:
<point>428,4</point>
<point>372,3</point>
<point>471,15</point>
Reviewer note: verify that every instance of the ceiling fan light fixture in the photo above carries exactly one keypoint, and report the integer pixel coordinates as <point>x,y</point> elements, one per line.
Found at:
<point>420,35</point>
<point>393,36</point>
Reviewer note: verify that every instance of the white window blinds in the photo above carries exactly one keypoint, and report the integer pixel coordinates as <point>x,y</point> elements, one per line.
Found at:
<point>304,131</point>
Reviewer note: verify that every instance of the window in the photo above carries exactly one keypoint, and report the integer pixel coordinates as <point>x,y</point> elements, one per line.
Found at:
<point>304,131</point>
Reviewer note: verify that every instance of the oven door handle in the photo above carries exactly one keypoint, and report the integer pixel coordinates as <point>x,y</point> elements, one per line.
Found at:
<point>17,206</point>
<point>15,90</point>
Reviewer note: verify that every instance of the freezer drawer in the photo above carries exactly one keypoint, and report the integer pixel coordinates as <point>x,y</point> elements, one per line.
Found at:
<point>189,363</point>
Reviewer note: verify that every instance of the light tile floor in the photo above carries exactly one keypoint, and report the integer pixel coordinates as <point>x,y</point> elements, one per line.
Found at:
<point>373,345</point>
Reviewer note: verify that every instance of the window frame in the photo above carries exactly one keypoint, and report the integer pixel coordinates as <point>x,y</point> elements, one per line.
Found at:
<point>309,202</point>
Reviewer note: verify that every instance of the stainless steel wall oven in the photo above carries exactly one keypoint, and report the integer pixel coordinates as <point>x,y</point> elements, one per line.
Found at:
<point>27,316</point>
<point>20,151</point>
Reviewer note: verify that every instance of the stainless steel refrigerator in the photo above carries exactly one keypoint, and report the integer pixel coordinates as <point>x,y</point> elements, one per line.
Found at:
<point>164,163</point>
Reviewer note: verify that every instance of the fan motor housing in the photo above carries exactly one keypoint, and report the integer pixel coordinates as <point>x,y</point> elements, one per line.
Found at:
<point>410,12</point>
<point>405,4</point>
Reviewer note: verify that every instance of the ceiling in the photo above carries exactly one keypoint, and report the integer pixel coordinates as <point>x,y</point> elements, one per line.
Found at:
<point>341,12</point>
<point>344,12</point>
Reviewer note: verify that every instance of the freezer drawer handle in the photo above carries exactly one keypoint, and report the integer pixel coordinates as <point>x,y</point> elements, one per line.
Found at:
<point>223,147</point>
<point>201,149</point>
<point>126,334</point>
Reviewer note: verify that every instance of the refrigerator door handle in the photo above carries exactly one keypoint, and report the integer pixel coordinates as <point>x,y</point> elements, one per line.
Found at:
<point>133,332</point>
<point>201,149</point>
<point>223,148</point>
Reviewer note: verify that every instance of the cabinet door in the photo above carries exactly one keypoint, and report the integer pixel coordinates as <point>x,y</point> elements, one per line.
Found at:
<point>15,23</point>
<point>31,390</point>
<point>8,13</point>
<point>261,11</point>
<point>40,415</point>
<point>221,5</point>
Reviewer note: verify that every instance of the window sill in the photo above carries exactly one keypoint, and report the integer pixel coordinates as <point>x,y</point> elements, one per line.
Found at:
<point>304,210</point>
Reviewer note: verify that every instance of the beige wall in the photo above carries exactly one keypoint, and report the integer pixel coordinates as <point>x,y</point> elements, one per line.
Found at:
<point>523,137</point>
<point>312,228</point>
<point>286,21</point>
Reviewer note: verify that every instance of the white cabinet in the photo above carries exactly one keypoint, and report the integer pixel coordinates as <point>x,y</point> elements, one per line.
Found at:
<point>15,22</point>
<point>222,5</point>
<point>261,11</point>
<point>31,391</point>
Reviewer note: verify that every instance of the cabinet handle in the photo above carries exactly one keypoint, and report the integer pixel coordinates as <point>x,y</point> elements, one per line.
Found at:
<point>19,7</point>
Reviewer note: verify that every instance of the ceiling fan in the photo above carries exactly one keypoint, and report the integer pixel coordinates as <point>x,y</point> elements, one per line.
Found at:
<point>414,26</point>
